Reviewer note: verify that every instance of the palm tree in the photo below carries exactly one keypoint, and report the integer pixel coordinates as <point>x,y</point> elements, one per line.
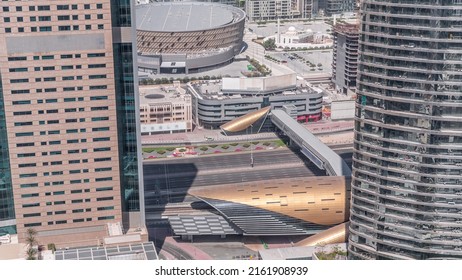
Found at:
<point>31,241</point>
<point>31,254</point>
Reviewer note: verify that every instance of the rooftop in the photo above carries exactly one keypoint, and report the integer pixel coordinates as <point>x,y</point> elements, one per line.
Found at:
<point>164,94</point>
<point>347,28</point>
<point>185,16</point>
<point>138,251</point>
<point>250,87</point>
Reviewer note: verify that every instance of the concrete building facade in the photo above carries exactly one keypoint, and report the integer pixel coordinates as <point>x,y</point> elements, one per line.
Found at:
<point>263,10</point>
<point>345,60</point>
<point>407,175</point>
<point>68,128</point>
<point>215,103</point>
<point>165,110</point>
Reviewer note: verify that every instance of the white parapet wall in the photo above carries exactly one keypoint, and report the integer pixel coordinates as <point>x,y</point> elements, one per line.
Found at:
<point>342,110</point>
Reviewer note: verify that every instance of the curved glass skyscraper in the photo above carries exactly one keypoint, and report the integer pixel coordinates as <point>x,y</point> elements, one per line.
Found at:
<point>407,171</point>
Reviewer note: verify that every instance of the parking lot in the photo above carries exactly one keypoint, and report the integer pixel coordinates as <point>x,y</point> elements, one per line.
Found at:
<point>271,28</point>
<point>306,62</point>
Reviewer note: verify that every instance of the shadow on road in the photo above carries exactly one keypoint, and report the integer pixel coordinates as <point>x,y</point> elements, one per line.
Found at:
<point>161,188</point>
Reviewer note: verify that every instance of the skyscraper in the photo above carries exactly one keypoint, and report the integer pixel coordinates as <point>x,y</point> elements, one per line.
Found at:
<point>407,175</point>
<point>69,152</point>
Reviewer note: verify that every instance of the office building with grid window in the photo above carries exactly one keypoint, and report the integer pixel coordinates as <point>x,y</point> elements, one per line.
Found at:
<point>69,152</point>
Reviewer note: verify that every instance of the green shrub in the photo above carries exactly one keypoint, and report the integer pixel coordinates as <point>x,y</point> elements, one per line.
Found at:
<point>256,143</point>
<point>51,246</point>
<point>234,144</point>
<point>203,149</point>
<point>246,145</point>
<point>182,150</point>
<point>161,152</point>
<point>213,146</point>
<point>266,143</point>
<point>225,147</point>
<point>170,149</point>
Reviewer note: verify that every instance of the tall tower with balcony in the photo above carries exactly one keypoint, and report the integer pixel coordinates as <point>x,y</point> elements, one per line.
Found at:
<point>407,175</point>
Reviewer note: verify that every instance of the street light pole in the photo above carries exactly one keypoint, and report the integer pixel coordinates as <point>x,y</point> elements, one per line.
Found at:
<point>251,152</point>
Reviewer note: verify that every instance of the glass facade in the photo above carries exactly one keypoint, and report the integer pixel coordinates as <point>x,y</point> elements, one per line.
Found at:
<point>126,109</point>
<point>407,175</point>
<point>6,189</point>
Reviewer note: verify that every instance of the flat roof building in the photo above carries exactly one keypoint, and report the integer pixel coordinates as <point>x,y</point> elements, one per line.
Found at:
<point>215,103</point>
<point>165,110</point>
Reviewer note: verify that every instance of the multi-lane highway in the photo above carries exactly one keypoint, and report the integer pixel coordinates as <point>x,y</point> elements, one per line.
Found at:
<point>167,181</point>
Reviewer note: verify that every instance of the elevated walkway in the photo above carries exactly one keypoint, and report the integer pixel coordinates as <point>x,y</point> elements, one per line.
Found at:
<point>319,153</point>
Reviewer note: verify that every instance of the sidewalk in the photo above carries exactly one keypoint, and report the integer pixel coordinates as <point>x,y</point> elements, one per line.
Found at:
<point>200,135</point>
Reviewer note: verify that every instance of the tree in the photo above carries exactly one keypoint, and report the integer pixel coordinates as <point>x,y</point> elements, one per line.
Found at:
<point>269,44</point>
<point>31,254</point>
<point>31,241</point>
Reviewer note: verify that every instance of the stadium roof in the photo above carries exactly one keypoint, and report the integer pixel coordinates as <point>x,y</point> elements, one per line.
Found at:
<point>185,16</point>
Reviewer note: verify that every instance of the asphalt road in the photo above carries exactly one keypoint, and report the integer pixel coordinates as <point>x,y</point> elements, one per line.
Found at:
<point>167,181</point>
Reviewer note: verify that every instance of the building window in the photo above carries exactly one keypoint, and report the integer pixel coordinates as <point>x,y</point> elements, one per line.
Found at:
<point>105,208</point>
<point>62,7</point>
<point>33,225</point>
<point>44,18</point>
<point>106,218</point>
<point>64,17</point>
<point>45,28</point>
<point>43,8</point>
<point>64,28</point>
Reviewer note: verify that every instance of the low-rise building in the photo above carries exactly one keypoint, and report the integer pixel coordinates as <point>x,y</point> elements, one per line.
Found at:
<point>296,38</point>
<point>217,102</point>
<point>165,110</point>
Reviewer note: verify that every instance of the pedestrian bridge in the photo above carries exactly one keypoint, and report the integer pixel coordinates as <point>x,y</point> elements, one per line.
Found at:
<point>315,150</point>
